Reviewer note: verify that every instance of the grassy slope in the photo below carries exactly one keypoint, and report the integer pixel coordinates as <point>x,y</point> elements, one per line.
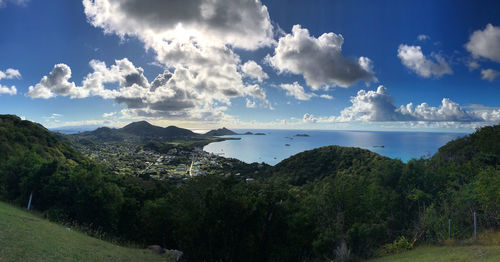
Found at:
<point>447,253</point>
<point>26,237</point>
<point>486,248</point>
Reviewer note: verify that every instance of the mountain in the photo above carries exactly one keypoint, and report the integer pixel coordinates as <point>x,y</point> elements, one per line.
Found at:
<point>142,128</point>
<point>19,136</point>
<point>139,132</point>
<point>220,132</point>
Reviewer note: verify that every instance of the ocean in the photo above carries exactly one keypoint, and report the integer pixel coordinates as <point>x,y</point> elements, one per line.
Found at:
<point>277,145</point>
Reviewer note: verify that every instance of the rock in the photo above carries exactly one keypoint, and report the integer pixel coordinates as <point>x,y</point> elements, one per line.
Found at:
<point>173,254</point>
<point>156,249</point>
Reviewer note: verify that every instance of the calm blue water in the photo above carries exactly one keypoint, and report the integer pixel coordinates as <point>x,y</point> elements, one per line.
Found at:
<point>271,149</point>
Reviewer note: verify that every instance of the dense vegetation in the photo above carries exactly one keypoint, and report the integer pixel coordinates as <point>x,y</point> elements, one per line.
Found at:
<point>328,203</point>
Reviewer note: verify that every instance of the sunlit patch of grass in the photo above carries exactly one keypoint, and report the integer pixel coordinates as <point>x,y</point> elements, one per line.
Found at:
<point>27,237</point>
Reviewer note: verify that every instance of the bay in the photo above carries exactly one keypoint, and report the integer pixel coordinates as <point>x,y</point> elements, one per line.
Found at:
<point>277,145</point>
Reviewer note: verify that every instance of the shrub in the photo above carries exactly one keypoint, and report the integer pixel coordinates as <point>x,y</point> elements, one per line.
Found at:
<point>399,245</point>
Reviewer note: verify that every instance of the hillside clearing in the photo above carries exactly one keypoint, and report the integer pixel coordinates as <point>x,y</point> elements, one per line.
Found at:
<point>26,237</point>
<point>447,253</point>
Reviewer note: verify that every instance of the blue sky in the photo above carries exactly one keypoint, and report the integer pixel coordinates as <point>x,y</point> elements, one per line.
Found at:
<point>440,56</point>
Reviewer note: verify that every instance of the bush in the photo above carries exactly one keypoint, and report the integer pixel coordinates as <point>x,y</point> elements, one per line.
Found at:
<point>399,245</point>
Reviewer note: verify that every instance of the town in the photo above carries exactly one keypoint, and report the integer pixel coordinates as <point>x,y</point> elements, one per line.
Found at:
<point>177,165</point>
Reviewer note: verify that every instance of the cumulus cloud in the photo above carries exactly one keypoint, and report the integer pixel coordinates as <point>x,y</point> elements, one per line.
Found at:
<point>56,83</point>
<point>296,91</point>
<point>485,43</point>
<point>319,60</point>
<point>371,106</point>
<point>413,58</point>
<point>325,96</point>
<point>177,94</point>
<point>378,106</point>
<point>254,70</point>
<point>8,90</point>
<point>243,24</point>
<point>9,74</point>
<point>489,74</point>
<point>195,40</point>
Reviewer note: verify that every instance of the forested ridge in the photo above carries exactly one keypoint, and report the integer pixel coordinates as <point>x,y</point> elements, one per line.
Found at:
<point>322,204</point>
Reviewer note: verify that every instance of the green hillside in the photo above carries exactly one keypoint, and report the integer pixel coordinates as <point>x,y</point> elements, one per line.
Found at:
<point>18,136</point>
<point>26,237</point>
<point>446,254</point>
<point>323,204</point>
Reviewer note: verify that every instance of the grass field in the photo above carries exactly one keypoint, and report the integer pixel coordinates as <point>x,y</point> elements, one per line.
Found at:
<point>26,237</point>
<point>486,248</point>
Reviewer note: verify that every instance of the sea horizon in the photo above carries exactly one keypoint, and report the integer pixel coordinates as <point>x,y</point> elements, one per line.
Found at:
<point>276,145</point>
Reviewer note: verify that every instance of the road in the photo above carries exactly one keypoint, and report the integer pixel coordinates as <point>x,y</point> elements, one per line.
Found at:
<point>191,167</point>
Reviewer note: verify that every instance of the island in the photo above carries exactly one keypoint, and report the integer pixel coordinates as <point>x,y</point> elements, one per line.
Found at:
<point>260,134</point>
<point>301,135</point>
<point>220,132</point>
<point>247,133</point>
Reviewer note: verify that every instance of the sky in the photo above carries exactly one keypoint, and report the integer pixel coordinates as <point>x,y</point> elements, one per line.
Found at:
<point>287,64</point>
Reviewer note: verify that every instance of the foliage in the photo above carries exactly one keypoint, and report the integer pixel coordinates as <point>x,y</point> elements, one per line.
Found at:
<point>303,209</point>
<point>399,245</point>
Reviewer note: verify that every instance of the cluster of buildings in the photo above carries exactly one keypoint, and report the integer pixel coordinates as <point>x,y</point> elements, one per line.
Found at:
<point>132,159</point>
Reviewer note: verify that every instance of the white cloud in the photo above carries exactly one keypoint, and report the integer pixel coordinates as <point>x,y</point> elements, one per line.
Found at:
<point>378,106</point>
<point>489,74</point>
<point>319,60</point>
<point>9,91</point>
<point>371,106</point>
<point>52,119</point>
<point>110,114</point>
<point>195,40</point>
<point>250,103</point>
<point>56,83</point>
<point>254,70</point>
<point>485,43</point>
<point>177,94</point>
<point>423,37</point>
<point>9,74</point>
<point>413,58</point>
<point>243,24</point>
<point>309,118</point>
<point>296,91</point>
<point>325,96</point>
